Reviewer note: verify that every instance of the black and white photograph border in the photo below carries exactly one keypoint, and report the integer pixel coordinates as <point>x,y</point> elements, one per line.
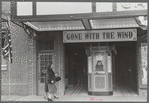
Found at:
<point>74,51</point>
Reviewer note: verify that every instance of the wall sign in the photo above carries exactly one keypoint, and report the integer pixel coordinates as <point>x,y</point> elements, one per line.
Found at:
<point>100,35</point>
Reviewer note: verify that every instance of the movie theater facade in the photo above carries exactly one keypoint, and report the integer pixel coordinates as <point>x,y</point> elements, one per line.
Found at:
<point>98,50</point>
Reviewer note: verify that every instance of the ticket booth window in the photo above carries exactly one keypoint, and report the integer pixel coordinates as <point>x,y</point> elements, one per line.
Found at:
<point>99,62</point>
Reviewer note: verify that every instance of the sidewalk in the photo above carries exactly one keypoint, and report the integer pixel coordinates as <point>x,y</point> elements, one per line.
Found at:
<point>76,98</point>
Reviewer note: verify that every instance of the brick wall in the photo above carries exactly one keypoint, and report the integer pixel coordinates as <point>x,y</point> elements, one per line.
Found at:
<point>59,62</point>
<point>22,71</point>
<point>62,66</point>
<point>17,84</point>
<point>57,59</point>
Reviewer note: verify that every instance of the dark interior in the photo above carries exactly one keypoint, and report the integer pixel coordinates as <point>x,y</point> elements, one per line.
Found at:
<point>76,67</point>
<point>126,66</point>
<point>124,63</point>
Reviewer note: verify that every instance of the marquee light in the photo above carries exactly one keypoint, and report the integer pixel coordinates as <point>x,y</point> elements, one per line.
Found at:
<point>59,25</point>
<point>114,26</point>
<point>113,23</point>
<point>60,28</point>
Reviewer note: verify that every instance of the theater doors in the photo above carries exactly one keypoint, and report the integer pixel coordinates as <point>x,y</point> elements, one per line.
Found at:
<point>100,71</point>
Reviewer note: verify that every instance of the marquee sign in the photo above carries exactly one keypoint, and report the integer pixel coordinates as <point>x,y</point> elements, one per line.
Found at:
<point>100,35</point>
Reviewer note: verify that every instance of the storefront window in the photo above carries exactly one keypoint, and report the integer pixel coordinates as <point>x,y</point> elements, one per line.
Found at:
<point>144,63</point>
<point>44,60</point>
<point>45,45</point>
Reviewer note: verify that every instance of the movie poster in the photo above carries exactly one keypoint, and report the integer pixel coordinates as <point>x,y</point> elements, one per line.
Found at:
<point>144,63</point>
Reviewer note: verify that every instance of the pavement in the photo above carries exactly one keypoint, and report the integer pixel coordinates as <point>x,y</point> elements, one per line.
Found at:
<point>77,98</point>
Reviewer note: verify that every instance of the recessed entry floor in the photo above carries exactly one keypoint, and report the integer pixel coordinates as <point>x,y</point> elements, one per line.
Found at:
<point>122,90</point>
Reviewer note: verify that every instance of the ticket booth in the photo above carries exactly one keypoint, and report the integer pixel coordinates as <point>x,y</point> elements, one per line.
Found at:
<point>99,71</point>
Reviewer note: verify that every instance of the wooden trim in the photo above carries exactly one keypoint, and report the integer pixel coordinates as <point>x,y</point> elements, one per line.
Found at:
<point>13,9</point>
<point>114,6</point>
<point>102,15</point>
<point>93,7</point>
<point>34,9</point>
<point>86,24</point>
<point>46,51</point>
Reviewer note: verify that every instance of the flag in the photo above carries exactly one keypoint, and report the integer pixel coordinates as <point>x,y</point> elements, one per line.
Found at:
<point>7,49</point>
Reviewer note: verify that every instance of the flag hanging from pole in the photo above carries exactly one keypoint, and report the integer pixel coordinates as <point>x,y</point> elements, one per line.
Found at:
<point>7,50</point>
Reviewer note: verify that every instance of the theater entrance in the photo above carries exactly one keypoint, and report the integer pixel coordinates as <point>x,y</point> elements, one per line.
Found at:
<point>76,69</point>
<point>120,71</point>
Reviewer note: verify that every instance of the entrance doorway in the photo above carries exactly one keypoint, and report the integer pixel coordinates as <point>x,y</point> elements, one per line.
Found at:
<point>124,67</point>
<point>126,73</point>
<point>76,66</point>
<point>43,60</point>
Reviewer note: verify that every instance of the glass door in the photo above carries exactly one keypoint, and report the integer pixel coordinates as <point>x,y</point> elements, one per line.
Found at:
<point>43,60</point>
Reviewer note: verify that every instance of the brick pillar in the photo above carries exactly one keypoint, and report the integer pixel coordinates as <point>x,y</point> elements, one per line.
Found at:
<point>57,59</point>
<point>32,68</point>
<point>62,82</point>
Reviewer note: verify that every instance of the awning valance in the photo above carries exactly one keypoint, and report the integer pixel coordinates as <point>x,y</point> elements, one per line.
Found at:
<point>113,23</point>
<point>56,25</point>
<point>83,24</point>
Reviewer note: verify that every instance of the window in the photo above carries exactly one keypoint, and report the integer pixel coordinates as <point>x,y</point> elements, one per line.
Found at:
<point>44,60</point>
<point>144,66</point>
<point>45,45</point>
